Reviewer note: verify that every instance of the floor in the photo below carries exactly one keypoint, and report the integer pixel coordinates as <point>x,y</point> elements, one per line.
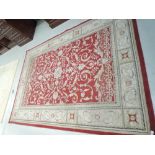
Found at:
<point>147,36</point>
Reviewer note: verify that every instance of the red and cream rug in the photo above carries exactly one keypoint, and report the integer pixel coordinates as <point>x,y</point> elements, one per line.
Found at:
<point>90,78</point>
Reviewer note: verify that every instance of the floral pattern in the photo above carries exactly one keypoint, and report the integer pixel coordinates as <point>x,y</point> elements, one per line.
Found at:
<point>79,72</point>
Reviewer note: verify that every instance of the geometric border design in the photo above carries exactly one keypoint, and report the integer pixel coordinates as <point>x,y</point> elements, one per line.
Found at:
<point>131,114</point>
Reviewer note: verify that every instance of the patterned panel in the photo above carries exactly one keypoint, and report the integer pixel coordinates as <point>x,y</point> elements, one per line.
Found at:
<point>130,91</point>
<point>133,118</point>
<point>78,72</point>
<point>122,33</point>
<point>86,78</point>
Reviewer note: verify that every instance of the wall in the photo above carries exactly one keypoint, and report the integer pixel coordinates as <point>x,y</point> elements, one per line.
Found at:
<point>44,32</point>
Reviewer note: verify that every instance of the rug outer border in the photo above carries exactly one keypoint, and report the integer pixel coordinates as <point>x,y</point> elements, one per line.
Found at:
<point>145,83</point>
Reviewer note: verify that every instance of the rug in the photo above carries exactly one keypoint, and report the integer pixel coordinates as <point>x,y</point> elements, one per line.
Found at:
<point>87,79</point>
<point>7,73</point>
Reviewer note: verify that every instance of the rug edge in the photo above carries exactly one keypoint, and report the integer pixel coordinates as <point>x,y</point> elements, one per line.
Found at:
<point>145,80</point>
<point>144,76</point>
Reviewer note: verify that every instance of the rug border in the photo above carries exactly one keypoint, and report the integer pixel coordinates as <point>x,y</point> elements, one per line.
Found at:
<point>145,81</point>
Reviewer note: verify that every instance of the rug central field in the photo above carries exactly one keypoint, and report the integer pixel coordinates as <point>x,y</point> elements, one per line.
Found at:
<point>87,79</point>
<point>78,72</point>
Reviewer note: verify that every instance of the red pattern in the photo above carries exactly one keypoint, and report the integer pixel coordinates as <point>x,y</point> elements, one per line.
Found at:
<point>79,72</point>
<point>146,86</point>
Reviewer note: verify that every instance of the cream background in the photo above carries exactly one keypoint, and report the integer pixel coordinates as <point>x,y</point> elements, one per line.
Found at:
<point>44,32</point>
